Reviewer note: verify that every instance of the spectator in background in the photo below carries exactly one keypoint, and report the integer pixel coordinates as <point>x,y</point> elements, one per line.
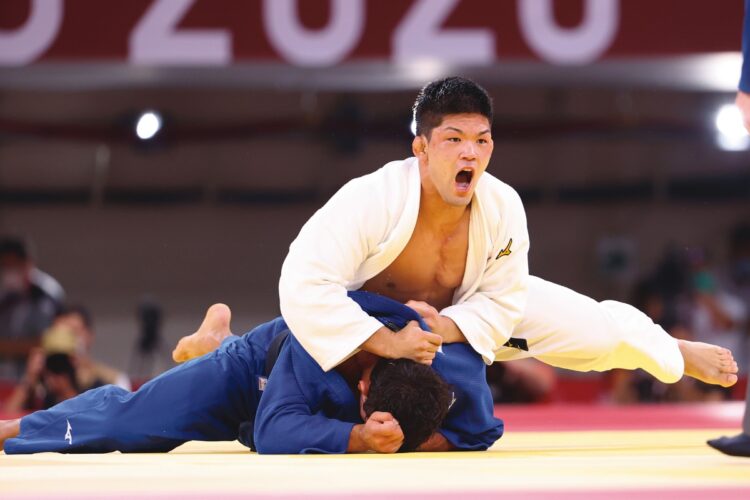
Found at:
<point>90,373</point>
<point>65,352</point>
<point>49,380</point>
<point>29,300</point>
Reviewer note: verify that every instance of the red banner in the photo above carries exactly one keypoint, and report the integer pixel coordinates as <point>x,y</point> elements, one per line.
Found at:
<point>329,32</point>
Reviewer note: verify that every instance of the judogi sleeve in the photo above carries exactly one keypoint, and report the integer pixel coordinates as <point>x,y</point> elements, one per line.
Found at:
<point>470,424</point>
<point>487,316</point>
<point>322,260</point>
<point>291,418</point>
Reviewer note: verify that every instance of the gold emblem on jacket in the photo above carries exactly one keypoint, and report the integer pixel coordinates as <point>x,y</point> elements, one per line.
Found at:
<point>505,251</point>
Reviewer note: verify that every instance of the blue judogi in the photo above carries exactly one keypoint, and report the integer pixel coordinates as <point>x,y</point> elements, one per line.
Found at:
<point>217,397</point>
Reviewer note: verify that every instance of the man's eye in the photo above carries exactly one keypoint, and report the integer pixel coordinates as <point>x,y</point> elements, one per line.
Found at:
<point>483,141</point>
<point>454,139</point>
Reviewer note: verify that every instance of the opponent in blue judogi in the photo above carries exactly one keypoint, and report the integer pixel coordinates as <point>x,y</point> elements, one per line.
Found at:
<point>217,397</point>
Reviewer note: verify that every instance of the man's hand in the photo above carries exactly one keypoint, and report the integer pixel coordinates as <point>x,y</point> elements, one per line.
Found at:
<point>411,342</point>
<point>381,433</point>
<point>743,102</point>
<point>441,325</point>
<point>416,344</point>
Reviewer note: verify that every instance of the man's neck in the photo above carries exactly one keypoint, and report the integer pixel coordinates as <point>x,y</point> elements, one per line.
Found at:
<point>351,369</point>
<point>436,213</point>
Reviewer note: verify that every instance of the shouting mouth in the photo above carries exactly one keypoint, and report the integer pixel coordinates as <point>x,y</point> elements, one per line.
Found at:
<point>463,180</point>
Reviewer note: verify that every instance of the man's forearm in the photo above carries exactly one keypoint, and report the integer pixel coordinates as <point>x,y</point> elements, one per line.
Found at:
<point>380,343</point>
<point>449,331</point>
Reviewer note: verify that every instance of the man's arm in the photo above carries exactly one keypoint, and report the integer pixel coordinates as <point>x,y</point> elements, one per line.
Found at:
<point>322,261</point>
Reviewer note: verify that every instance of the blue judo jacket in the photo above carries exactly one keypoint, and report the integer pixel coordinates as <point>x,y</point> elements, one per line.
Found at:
<point>306,410</point>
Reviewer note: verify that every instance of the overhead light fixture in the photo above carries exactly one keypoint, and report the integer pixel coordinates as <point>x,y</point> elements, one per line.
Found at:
<point>731,134</point>
<point>148,125</point>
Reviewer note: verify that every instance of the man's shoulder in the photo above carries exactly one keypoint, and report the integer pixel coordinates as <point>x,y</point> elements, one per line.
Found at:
<point>493,191</point>
<point>387,185</point>
<point>394,173</point>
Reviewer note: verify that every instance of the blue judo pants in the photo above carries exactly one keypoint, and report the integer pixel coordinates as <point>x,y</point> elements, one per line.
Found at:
<point>205,399</point>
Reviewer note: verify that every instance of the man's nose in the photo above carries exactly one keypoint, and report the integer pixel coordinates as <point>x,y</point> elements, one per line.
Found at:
<point>469,150</point>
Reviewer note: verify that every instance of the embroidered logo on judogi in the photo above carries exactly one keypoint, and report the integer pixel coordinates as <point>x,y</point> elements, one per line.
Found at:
<point>505,251</point>
<point>69,432</point>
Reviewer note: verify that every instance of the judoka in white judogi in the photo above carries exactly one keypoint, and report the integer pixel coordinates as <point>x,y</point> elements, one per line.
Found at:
<point>367,224</point>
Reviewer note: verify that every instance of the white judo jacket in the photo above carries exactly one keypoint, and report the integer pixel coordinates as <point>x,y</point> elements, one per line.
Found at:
<point>363,228</point>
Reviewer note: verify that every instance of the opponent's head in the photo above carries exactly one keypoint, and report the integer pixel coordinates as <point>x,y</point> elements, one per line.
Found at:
<point>453,140</point>
<point>413,393</point>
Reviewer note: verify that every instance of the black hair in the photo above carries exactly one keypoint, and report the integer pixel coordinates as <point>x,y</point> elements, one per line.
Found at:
<point>14,246</point>
<point>62,364</point>
<point>414,394</point>
<point>449,96</point>
<point>78,309</point>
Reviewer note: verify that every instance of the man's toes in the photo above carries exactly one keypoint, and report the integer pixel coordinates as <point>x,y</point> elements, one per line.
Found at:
<point>178,356</point>
<point>728,379</point>
<point>180,352</point>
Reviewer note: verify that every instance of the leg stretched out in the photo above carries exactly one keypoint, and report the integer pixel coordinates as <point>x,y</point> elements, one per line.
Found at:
<point>205,399</point>
<point>569,330</point>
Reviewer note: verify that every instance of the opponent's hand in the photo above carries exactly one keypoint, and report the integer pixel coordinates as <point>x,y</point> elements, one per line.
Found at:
<point>413,343</point>
<point>743,102</point>
<point>382,433</point>
<point>429,314</point>
<point>441,325</point>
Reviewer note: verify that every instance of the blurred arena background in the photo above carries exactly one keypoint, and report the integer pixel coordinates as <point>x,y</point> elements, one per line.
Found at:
<point>606,123</point>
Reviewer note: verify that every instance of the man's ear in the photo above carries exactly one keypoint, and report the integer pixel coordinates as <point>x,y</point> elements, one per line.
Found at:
<point>364,388</point>
<point>419,146</point>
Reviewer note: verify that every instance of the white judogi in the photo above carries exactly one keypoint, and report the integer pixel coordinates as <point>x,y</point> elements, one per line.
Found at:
<point>367,224</point>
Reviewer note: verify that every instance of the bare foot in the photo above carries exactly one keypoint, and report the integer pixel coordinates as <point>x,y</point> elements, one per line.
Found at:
<point>9,429</point>
<point>709,363</point>
<point>213,330</point>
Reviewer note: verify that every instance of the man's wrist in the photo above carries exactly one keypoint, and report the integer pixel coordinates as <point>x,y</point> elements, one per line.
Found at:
<point>357,442</point>
<point>382,343</point>
<point>449,330</point>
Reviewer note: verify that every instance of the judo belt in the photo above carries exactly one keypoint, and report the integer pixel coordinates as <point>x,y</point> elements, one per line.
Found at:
<point>517,344</point>
<point>274,348</point>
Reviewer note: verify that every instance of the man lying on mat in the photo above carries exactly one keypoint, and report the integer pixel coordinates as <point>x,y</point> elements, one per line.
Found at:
<point>366,403</point>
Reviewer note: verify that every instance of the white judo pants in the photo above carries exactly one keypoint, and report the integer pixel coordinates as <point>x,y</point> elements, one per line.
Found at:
<point>568,330</point>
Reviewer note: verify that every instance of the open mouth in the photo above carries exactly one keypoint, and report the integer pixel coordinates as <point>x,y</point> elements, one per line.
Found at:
<point>463,179</point>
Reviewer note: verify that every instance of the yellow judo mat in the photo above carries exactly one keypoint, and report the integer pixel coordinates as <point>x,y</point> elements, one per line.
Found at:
<point>570,464</point>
